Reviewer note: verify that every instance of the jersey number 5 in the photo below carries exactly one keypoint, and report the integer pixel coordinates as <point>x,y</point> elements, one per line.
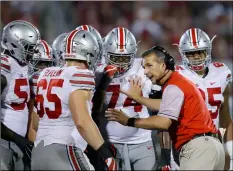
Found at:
<point>21,94</point>
<point>211,92</point>
<point>115,89</point>
<point>53,98</point>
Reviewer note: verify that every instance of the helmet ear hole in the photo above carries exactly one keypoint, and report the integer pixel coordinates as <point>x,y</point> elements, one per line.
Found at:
<point>4,40</point>
<point>91,55</point>
<point>14,46</point>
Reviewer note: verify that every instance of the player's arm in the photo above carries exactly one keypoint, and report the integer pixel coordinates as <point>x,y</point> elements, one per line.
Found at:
<point>165,144</point>
<point>83,121</point>
<point>225,121</point>
<point>3,83</point>
<point>86,126</point>
<point>5,72</point>
<point>32,117</point>
<point>99,95</point>
<point>32,121</point>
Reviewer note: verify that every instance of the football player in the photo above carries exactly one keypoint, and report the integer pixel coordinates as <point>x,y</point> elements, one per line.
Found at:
<point>19,39</point>
<point>98,98</point>
<point>63,104</point>
<point>212,79</point>
<point>41,59</point>
<point>135,150</point>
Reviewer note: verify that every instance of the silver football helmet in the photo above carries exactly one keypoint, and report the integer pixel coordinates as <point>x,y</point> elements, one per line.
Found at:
<point>96,35</point>
<point>81,45</point>
<point>120,48</point>
<point>195,40</point>
<point>58,48</point>
<point>20,39</point>
<point>42,58</point>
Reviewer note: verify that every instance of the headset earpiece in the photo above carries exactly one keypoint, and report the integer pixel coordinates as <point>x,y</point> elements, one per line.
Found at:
<point>168,60</point>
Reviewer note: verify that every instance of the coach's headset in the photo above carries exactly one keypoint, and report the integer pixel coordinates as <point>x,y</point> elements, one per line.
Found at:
<point>168,60</point>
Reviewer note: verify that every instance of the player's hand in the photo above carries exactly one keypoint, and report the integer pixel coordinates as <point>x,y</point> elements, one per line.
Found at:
<point>110,71</point>
<point>108,74</point>
<point>166,168</point>
<point>113,149</point>
<point>110,163</point>
<point>116,115</point>
<point>135,88</point>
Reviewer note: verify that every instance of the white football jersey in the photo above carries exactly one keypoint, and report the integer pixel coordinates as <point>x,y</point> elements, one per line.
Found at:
<point>54,87</point>
<point>211,87</point>
<point>114,99</point>
<point>14,98</point>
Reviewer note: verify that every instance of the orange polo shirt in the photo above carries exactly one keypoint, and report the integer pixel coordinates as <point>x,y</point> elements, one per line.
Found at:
<point>183,103</point>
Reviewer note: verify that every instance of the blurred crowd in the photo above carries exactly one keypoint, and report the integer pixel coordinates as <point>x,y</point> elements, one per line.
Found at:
<point>152,22</point>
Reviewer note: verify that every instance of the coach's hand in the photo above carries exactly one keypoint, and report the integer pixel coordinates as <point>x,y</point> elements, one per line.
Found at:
<point>135,88</point>
<point>116,115</point>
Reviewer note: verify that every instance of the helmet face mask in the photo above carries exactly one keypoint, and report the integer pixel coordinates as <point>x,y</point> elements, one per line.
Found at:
<point>58,50</point>
<point>43,56</point>
<point>197,60</point>
<point>195,42</point>
<point>122,62</point>
<point>59,60</point>
<point>20,39</point>
<point>120,49</point>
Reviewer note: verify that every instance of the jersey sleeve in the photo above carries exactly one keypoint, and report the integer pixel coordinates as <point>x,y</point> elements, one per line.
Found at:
<point>5,66</point>
<point>83,80</point>
<point>172,100</point>
<point>228,75</point>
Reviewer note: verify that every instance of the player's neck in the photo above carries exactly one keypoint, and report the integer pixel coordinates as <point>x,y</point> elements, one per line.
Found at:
<point>203,72</point>
<point>81,65</point>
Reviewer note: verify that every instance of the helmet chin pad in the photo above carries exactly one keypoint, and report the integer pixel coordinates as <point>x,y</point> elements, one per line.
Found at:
<point>199,67</point>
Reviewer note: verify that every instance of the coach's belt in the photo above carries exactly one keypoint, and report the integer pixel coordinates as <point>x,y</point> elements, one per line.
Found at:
<point>206,134</point>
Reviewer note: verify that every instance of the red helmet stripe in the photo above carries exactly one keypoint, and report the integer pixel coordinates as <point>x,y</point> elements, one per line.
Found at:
<point>121,37</point>
<point>85,27</point>
<point>46,47</point>
<point>194,37</point>
<point>70,40</point>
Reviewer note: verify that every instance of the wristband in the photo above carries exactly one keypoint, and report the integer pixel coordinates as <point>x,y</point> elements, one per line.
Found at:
<point>104,151</point>
<point>131,122</point>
